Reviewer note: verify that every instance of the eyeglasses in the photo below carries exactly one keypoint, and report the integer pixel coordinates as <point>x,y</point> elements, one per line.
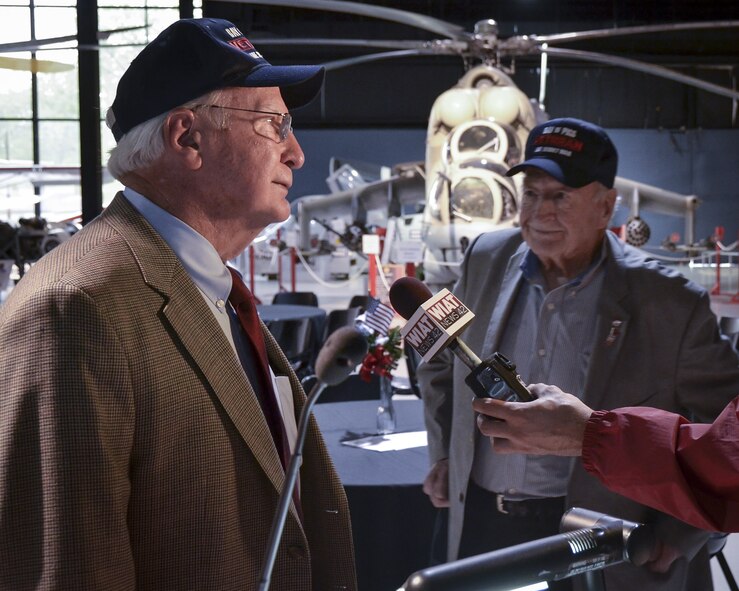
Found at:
<point>562,200</point>
<point>276,128</point>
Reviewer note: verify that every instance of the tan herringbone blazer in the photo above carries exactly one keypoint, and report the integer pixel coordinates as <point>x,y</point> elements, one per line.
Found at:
<point>133,452</point>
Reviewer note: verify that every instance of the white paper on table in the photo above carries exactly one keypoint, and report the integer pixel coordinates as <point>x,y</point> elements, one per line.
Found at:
<point>390,442</point>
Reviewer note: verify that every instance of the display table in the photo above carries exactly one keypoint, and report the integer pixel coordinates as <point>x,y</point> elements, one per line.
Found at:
<point>392,519</point>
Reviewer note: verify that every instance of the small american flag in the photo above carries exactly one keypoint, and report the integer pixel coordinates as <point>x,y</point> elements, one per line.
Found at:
<point>378,316</point>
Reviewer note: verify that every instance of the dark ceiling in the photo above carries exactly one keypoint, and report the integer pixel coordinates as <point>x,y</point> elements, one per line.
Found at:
<point>400,92</point>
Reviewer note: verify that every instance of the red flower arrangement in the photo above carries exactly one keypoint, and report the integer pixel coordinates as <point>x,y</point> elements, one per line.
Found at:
<point>383,355</point>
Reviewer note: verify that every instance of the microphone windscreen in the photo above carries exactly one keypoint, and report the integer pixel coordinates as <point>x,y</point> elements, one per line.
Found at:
<point>407,294</point>
<point>343,350</point>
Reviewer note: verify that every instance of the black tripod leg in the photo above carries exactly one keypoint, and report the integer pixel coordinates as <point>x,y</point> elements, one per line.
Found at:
<point>726,570</point>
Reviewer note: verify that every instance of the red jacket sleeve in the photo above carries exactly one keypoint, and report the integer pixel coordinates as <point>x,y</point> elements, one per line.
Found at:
<point>657,458</point>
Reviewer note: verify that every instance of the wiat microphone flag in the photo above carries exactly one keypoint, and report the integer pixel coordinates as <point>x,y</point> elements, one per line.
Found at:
<point>436,322</point>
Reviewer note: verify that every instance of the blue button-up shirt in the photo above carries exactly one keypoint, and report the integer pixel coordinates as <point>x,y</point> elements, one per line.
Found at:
<point>550,337</point>
<point>197,255</point>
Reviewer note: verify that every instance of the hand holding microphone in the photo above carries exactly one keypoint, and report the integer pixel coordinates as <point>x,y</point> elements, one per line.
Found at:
<point>433,325</point>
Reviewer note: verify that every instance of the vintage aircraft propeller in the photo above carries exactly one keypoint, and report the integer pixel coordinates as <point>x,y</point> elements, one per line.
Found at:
<point>35,65</point>
<point>484,44</point>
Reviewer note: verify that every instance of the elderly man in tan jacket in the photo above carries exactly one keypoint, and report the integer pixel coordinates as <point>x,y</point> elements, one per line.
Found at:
<point>144,433</point>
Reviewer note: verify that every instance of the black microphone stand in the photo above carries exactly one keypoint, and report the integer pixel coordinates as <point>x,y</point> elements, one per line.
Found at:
<point>291,477</point>
<point>340,354</point>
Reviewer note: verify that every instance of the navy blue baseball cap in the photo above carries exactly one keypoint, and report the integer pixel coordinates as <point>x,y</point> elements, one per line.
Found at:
<point>573,151</point>
<point>192,57</point>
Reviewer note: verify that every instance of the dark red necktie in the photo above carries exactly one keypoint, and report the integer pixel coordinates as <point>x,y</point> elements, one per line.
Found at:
<point>243,302</point>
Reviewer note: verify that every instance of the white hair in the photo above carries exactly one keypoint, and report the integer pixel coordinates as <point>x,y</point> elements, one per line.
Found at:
<point>142,145</point>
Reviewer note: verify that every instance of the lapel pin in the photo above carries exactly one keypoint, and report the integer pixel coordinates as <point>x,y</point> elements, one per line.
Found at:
<point>614,332</point>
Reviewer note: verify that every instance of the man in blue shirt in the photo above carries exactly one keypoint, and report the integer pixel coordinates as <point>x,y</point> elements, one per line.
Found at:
<point>571,305</point>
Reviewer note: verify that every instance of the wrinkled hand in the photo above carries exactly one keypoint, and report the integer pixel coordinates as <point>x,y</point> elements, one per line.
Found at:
<point>436,484</point>
<point>553,424</point>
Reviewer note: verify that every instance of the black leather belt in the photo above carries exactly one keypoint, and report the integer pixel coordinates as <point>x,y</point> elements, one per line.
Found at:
<point>553,506</point>
<point>531,508</point>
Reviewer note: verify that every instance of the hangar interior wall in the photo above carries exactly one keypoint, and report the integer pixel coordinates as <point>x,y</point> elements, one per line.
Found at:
<point>700,162</point>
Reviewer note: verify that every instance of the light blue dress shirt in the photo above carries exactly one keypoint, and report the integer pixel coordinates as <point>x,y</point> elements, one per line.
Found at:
<point>209,273</point>
<point>197,255</point>
<point>550,337</point>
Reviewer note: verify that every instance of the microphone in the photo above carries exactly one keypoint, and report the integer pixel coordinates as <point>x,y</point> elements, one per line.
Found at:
<point>343,350</point>
<point>590,542</point>
<point>433,321</point>
<point>341,353</point>
<point>433,325</point>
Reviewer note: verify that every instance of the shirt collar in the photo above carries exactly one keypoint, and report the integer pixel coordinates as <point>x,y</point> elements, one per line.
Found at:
<point>531,268</point>
<point>198,256</point>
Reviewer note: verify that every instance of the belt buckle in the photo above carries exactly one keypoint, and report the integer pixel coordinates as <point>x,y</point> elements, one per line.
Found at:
<point>499,500</point>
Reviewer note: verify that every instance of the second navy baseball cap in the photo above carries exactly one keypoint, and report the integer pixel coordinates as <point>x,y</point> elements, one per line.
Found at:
<point>573,151</point>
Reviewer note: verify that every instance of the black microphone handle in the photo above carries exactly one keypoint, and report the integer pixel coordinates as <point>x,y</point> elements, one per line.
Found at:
<point>483,378</point>
<point>291,477</point>
<point>464,353</point>
<point>478,368</point>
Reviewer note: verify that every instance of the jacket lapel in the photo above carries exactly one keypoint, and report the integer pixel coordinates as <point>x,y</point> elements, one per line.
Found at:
<point>199,332</point>
<point>203,338</point>
<point>611,325</point>
<point>504,304</point>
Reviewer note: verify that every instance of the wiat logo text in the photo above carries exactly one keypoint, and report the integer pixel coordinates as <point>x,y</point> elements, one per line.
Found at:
<point>448,310</point>
<point>424,335</point>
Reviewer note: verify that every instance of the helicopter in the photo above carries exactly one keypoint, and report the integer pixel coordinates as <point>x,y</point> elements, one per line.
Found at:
<point>476,131</point>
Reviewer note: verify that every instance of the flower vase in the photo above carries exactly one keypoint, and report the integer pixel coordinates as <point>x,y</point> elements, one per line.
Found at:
<point>386,410</point>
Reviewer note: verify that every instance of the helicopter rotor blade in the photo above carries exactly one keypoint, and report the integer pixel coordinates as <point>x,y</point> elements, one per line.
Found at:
<point>514,46</point>
<point>103,35</point>
<point>35,44</point>
<point>411,19</point>
<point>324,42</point>
<point>363,59</point>
<point>652,69</point>
<point>638,30</point>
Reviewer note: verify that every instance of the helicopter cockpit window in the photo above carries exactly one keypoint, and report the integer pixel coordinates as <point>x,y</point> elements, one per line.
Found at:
<point>507,189</point>
<point>485,163</point>
<point>479,138</point>
<point>476,156</point>
<point>482,138</point>
<point>472,197</point>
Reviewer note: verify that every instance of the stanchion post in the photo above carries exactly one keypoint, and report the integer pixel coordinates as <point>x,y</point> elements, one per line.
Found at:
<point>718,236</point>
<point>279,263</point>
<point>371,247</point>
<point>372,275</point>
<point>251,267</point>
<point>292,268</point>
